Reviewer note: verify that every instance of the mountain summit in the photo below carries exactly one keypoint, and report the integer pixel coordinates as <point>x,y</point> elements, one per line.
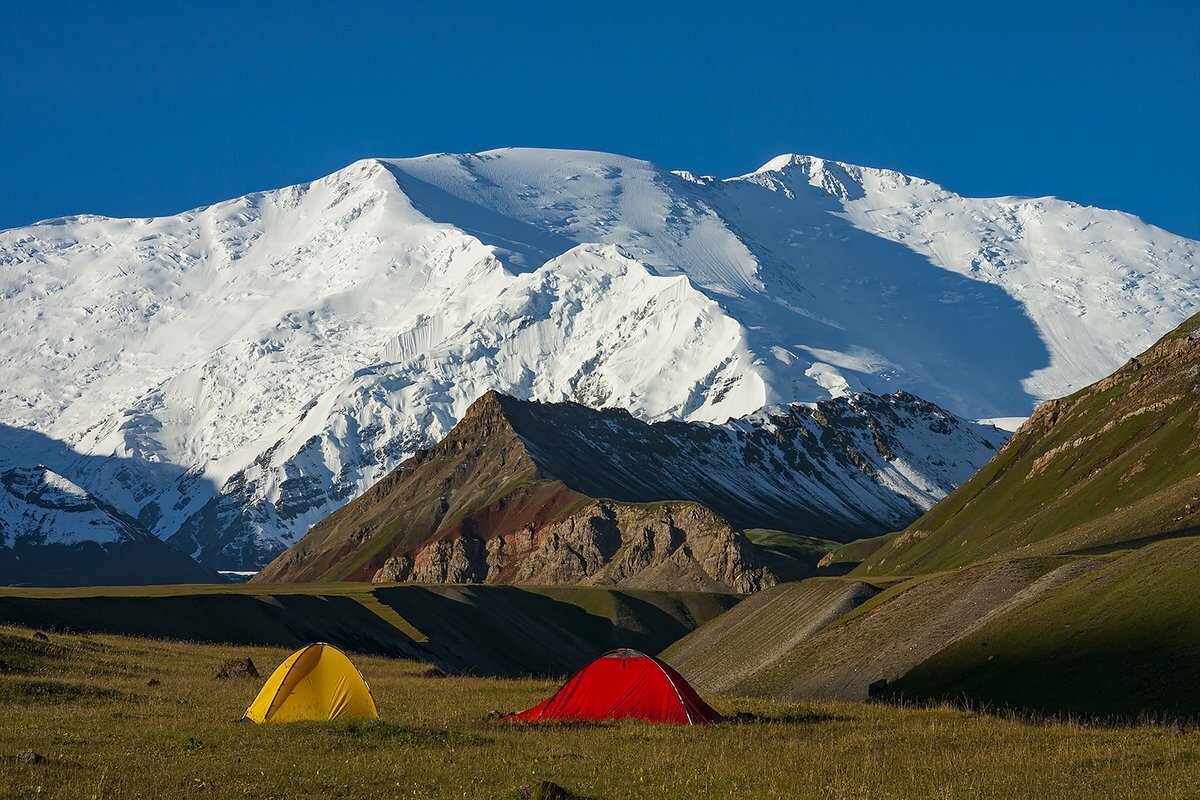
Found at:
<point>231,375</point>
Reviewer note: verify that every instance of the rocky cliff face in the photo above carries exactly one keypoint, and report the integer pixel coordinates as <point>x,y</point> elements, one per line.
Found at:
<point>559,493</point>
<point>678,545</point>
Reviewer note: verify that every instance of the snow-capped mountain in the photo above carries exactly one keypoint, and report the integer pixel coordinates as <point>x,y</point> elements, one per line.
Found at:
<point>232,374</point>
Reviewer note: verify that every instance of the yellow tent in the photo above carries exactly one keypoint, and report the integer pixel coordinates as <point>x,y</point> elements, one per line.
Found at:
<point>317,682</point>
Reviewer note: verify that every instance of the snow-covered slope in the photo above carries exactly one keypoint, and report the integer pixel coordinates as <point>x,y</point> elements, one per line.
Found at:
<point>55,532</point>
<point>42,507</point>
<point>232,374</point>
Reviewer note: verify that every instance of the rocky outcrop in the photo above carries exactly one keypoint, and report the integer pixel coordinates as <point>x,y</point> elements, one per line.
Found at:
<point>681,545</point>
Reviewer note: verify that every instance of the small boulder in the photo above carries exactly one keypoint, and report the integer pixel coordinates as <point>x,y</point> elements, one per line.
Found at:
<point>32,757</point>
<point>153,682</point>
<point>238,668</point>
<point>546,790</point>
<point>432,672</point>
<point>41,636</point>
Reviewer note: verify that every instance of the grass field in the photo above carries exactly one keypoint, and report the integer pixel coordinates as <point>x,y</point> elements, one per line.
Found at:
<point>79,720</point>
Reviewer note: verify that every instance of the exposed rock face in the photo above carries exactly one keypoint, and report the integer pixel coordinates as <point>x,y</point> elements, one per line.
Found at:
<point>559,493</point>
<point>682,545</point>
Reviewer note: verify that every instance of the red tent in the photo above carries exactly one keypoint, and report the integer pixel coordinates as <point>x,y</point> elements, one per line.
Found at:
<point>624,684</point>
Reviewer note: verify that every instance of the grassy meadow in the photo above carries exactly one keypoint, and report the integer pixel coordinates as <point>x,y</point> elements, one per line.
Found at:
<point>79,718</point>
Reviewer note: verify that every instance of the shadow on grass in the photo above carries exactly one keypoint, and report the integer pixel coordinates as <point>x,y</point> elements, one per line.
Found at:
<point>1135,544</point>
<point>32,691</point>
<point>1171,723</point>
<point>741,718</point>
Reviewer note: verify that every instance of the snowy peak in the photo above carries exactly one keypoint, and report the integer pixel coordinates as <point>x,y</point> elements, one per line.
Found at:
<point>533,205</point>
<point>231,375</point>
<point>844,182</point>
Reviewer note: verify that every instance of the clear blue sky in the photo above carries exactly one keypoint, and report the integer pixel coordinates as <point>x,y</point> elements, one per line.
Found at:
<point>152,108</point>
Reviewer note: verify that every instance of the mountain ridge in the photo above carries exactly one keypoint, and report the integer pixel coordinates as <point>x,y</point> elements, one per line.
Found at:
<point>251,365</point>
<point>553,493</point>
<point>55,533</point>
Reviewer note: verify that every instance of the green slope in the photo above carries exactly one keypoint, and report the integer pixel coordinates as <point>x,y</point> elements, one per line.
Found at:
<point>791,556</point>
<point>1121,640</point>
<point>844,558</point>
<point>726,655</point>
<point>1114,465</point>
<point>897,629</point>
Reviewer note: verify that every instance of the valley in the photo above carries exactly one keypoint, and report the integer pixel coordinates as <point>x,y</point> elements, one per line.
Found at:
<point>692,401</point>
<point>990,599</point>
<point>790,527</point>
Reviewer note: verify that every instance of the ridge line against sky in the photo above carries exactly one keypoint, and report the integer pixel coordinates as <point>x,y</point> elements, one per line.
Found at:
<point>134,110</point>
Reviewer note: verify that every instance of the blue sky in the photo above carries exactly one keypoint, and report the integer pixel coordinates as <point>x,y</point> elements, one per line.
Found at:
<point>146,109</point>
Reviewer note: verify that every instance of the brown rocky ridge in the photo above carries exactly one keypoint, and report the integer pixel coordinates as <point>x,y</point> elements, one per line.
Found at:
<point>562,494</point>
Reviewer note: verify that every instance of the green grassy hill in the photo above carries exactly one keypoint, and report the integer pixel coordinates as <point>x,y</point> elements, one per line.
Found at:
<point>1123,639</point>
<point>1115,465</point>
<point>1102,636</point>
<point>843,558</point>
<point>834,637</point>
<point>791,556</point>
<point>728,653</point>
